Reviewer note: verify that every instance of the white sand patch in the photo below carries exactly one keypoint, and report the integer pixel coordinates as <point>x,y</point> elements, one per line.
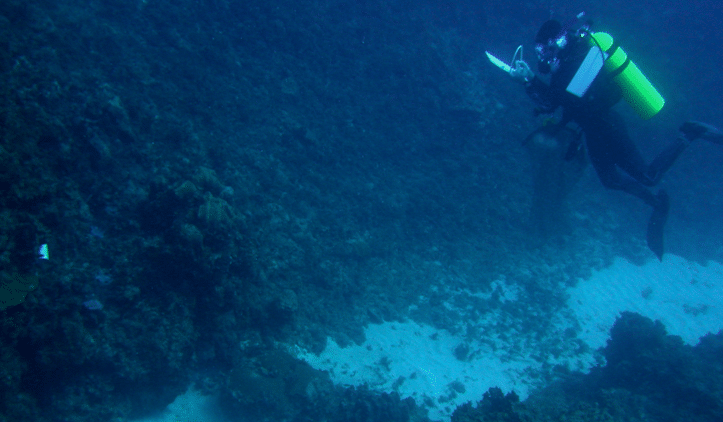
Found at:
<point>418,361</point>
<point>685,296</point>
<point>192,406</point>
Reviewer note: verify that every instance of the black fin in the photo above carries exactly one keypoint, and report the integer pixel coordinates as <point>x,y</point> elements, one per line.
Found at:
<point>699,130</point>
<point>656,225</point>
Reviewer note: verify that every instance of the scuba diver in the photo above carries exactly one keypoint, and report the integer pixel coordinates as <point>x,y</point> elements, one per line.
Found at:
<point>588,75</point>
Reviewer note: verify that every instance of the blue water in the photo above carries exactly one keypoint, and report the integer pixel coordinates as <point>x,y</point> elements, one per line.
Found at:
<point>223,180</point>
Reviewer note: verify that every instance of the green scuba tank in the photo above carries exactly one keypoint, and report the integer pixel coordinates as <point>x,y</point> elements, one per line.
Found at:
<point>637,89</point>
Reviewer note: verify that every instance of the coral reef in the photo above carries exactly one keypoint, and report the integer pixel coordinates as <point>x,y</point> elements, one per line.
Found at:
<point>270,384</point>
<point>649,375</point>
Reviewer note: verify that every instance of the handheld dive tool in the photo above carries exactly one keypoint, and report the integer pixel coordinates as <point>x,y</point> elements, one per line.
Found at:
<point>516,68</point>
<point>499,63</point>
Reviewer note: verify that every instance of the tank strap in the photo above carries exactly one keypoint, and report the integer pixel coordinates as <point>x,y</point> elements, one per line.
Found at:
<point>612,50</point>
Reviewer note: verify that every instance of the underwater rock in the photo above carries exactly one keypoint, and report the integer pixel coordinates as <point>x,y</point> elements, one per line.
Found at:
<point>273,384</point>
<point>15,287</point>
<point>159,211</point>
<point>115,121</point>
<point>208,181</point>
<point>186,190</point>
<point>280,311</point>
<point>190,235</point>
<point>215,212</point>
<point>270,384</point>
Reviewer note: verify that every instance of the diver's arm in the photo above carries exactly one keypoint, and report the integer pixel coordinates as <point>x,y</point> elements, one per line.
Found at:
<point>541,94</point>
<point>521,72</point>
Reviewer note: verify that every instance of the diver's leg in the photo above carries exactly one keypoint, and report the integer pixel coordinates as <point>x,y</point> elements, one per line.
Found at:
<point>611,178</point>
<point>616,145</point>
<point>612,149</point>
<point>698,130</point>
<point>664,161</point>
<point>631,161</point>
<point>622,150</point>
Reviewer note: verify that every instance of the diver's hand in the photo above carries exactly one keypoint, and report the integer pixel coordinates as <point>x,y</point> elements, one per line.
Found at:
<point>521,72</point>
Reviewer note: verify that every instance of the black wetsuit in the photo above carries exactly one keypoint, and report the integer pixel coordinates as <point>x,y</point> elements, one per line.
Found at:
<point>616,159</point>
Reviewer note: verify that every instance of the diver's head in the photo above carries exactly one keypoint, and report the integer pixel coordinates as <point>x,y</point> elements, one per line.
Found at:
<point>550,42</point>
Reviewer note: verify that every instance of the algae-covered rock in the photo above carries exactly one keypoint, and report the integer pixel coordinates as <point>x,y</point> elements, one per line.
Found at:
<point>274,383</point>
<point>271,384</point>
<point>207,180</point>
<point>191,236</point>
<point>15,287</point>
<point>186,190</point>
<point>215,212</point>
